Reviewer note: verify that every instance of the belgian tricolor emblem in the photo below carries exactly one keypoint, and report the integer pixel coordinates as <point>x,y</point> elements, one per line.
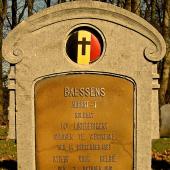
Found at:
<point>83,47</point>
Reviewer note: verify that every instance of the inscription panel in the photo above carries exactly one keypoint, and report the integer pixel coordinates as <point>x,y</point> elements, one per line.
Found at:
<point>84,122</point>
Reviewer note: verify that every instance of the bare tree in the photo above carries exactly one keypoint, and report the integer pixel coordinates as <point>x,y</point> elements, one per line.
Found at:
<point>164,92</point>
<point>147,10</point>
<point>3,11</point>
<point>30,7</point>
<point>128,5</point>
<point>121,3</point>
<point>48,3</point>
<point>14,13</point>
<point>153,12</point>
<point>20,16</point>
<point>136,7</point>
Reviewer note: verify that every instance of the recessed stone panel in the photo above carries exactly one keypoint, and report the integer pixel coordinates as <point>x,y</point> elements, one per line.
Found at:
<point>84,121</point>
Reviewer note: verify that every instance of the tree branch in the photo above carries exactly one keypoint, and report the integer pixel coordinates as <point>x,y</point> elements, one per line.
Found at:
<point>22,13</point>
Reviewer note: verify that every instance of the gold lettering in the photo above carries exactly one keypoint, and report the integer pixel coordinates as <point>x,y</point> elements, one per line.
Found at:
<point>103,92</point>
<point>107,158</point>
<point>62,159</point>
<point>84,92</point>
<point>90,126</point>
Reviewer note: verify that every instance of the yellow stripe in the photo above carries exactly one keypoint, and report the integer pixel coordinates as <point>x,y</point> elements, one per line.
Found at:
<point>83,59</point>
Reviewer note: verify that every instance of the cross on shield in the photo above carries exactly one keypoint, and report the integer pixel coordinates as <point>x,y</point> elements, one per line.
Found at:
<point>84,43</point>
<point>84,38</point>
<point>83,47</point>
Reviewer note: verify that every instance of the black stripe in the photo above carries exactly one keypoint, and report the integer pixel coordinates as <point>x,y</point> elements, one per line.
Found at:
<point>72,46</point>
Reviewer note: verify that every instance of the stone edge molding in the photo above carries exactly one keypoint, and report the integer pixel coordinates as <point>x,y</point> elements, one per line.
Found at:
<point>83,10</point>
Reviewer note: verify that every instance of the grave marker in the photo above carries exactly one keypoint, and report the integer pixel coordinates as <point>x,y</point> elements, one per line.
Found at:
<point>165,121</point>
<point>84,88</point>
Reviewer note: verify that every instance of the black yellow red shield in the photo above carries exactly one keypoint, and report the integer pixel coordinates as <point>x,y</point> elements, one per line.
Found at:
<point>84,47</point>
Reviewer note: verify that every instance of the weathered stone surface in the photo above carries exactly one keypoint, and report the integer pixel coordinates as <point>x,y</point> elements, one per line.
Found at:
<point>165,121</point>
<point>37,49</point>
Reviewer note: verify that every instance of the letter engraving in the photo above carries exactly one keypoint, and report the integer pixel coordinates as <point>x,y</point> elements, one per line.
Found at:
<point>84,122</point>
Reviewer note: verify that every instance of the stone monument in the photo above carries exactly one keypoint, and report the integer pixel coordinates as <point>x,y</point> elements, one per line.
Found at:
<point>84,88</point>
<point>165,121</point>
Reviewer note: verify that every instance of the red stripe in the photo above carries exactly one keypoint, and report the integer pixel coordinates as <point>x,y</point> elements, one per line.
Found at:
<point>95,50</point>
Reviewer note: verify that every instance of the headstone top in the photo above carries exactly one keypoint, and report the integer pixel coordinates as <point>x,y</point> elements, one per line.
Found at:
<point>83,10</point>
<point>166,108</point>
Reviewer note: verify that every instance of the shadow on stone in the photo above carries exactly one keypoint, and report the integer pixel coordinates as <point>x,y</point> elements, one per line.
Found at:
<point>160,165</point>
<point>8,165</point>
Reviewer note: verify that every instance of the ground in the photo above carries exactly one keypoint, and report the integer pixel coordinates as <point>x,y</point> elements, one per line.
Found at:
<point>7,151</point>
<point>160,152</point>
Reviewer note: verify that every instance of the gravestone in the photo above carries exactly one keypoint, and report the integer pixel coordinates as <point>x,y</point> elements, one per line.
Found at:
<point>84,88</point>
<point>165,121</point>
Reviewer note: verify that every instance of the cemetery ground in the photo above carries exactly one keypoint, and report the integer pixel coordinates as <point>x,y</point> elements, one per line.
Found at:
<point>8,156</point>
<point>7,151</point>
